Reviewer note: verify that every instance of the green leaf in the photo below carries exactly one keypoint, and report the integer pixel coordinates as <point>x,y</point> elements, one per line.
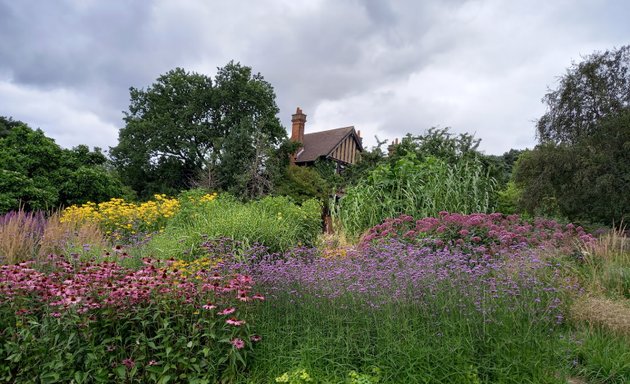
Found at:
<point>121,371</point>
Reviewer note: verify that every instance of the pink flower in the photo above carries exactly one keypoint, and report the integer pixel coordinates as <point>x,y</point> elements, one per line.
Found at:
<point>227,311</point>
<point>258,296</point>
<point>234,321</point>
<point>209,306</point>
<point>255,338</point>
<point>152,362</point>
<point>237,343</point>
<point>129,363</point>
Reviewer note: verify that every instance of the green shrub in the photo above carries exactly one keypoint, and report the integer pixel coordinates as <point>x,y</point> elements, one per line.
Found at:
<point>275,222</point>
<point>418,189</point>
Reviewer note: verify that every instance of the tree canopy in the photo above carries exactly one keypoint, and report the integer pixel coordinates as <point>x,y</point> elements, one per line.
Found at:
<point>36,173</point>
<point>186,127</point>
<point>581,168</point>
<point>595,88</point>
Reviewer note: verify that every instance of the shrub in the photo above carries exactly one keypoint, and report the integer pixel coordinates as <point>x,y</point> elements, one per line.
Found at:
<point>481,233</point>
<point>275,222</point>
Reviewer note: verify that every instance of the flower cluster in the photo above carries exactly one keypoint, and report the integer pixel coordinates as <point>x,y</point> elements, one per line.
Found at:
<point>121,219</point>
<point>479,233</point>
<point>88,286</point>
<point>144,307</point>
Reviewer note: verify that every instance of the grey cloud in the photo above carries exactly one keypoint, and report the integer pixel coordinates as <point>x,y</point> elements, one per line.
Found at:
<point>483,64</point>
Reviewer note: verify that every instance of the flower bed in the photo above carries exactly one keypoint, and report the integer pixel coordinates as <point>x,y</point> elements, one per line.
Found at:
<point>120,323</point>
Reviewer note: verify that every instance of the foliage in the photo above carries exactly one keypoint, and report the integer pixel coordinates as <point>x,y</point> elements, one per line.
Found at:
<point>120,219</point>
<point>100,322</point>
<point>585,181</point>
<point>439,143</point>
<point>418,314</point>
<point>38,174</point>
<point>596,88</point>
<point>417,188</point>
<point>184,126</point>
<point>7,124</point>
<point>602,357</point>
<point>303,183</point>
<point>275,222</point>
<point>606,266</point>
<point>508,198</point>
<point>28,236</point>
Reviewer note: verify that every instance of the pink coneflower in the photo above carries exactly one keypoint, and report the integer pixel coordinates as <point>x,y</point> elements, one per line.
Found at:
<point>237,343</point>
<point>235,321</point>
<point>227,311</point>
<point>258,296</point>
<point>209,306</point>
<point>55,314</point>
<point>152,362</point>
<point>255,338</point>
<point>129,363</point>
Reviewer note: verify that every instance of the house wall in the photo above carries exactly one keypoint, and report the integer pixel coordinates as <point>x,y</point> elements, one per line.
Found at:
<point>346,151</point>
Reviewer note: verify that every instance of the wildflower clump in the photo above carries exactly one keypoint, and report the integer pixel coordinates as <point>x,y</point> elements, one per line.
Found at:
<point>121,219</point>
<point>296,376</point>
<point>479,233</point>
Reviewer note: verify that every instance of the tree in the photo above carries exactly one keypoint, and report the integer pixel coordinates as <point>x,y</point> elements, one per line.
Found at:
<point>593,89</point>
<point>580,169</point>
<point>185,127</point>
<point>439,143</point>
<point>168,134</point>
<point>6,124</point>
<point>36,173</point>
<point>587,181</point>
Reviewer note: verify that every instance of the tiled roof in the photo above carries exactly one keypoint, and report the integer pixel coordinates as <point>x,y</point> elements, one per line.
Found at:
<point>321,143</point>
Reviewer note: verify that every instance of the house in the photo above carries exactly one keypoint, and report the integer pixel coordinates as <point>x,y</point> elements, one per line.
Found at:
<point>341,145</point>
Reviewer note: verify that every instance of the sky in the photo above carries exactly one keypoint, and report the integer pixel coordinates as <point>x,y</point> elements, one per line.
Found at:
<point>386,67</point>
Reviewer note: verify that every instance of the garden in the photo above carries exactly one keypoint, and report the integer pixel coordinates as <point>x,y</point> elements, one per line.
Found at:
<point>204,288</point>
<point>195,252</point>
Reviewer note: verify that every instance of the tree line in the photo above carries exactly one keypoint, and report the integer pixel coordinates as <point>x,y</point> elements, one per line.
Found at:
<point>189,130</point>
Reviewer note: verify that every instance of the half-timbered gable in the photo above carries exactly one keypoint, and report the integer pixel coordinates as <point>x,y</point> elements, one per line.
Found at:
<point>341,145</point>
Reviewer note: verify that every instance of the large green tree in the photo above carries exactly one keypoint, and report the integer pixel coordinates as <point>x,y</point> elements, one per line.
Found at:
<point>186,128</point>
<point>595,88</point>
<point>581,168</point>
<point>36,173</point>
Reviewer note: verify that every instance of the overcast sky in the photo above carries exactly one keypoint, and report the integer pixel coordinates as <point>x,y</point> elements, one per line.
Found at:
<point>386,67</point>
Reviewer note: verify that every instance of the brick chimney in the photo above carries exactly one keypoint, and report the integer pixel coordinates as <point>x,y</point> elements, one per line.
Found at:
<point>297,128</point>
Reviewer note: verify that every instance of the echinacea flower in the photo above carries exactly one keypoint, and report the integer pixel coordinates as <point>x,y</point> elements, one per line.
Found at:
<point>237,343</point>
<point>255,338</point>
<point>129,363</point>
<point>234,321</point>
<point>209,306</point>
<point>227,311</point>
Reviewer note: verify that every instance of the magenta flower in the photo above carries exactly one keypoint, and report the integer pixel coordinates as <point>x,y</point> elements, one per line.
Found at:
<point>227,311</point>
<point>255,338</point>
<point>209,306</point>
<point>129,363</point>
<point>234,321</point>
<point>237,343</point>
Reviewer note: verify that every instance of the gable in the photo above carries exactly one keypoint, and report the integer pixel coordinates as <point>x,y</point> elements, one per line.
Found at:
<point>338,143</point>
